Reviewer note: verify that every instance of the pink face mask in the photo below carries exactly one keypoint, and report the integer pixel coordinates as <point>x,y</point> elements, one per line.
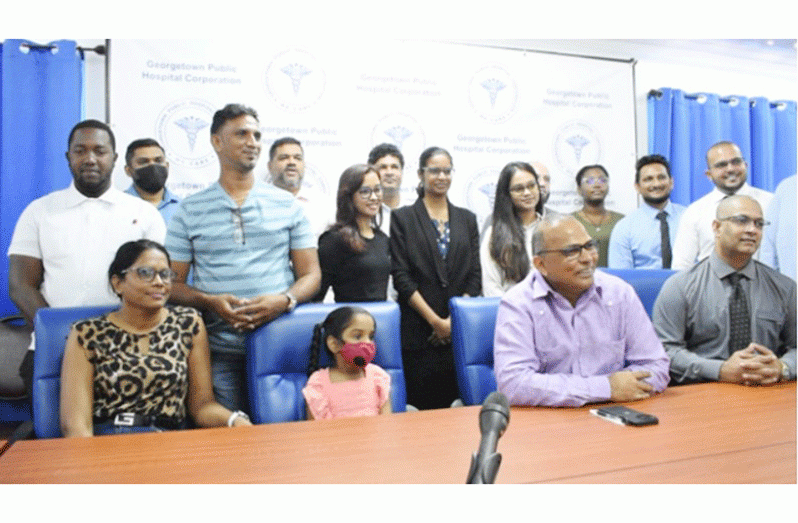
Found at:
<point>359,354</point>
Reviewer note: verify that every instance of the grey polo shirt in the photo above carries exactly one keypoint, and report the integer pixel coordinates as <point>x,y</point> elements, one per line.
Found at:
<point>691,316</point>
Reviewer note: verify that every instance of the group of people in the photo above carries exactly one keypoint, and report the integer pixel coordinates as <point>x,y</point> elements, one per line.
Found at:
<point>194,277</point>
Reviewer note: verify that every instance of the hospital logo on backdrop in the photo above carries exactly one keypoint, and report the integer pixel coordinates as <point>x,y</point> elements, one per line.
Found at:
<point>481,193</point>
<point>404,132</point>
<point>493,93</point>
<point>183,129</point>
<point>295,80</point>
<point>576,144</point>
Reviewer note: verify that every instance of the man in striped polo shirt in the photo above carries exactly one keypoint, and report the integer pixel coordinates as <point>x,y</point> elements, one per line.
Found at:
<point>251,247</point>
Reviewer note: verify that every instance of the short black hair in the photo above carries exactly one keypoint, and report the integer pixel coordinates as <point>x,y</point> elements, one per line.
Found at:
<point>93,124</point>
<point>648,160</point>
<point>385,149</point>
<point>230,112</point>
<point>584,169</point>
<point>138,144</point>
<point>282,141</point>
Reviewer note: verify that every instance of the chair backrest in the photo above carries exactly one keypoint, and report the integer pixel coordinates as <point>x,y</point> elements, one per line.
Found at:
<point>14,343</point>
<point>278,355</point>
<point>646,282</point>
<point>52,326</point>
<point>473,323</point>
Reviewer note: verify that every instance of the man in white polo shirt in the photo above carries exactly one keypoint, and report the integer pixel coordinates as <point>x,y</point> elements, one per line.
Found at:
<point>64,242</point>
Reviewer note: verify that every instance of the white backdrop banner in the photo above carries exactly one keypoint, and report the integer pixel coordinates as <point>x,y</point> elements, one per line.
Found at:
<point>486,106</point>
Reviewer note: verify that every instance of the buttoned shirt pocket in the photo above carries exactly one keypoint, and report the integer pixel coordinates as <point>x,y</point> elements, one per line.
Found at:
<point>768,327</point>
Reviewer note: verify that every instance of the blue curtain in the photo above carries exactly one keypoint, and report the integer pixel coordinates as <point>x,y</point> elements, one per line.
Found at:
<point>682,126</point>
<point>41,101</point>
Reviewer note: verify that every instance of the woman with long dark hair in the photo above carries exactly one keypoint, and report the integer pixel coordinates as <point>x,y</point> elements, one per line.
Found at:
<point>506,252</point>
<point>434,257</point>
<point>353,253</point>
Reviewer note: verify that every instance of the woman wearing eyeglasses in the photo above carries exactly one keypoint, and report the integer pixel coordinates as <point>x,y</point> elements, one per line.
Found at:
<point>506,252</point>
<point>143,367</point>
<point>353,253</point>
<point>434,257</point>
<point>593,184</point>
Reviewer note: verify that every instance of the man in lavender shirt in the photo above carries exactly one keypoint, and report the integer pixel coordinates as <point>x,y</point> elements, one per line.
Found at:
<point>568,335</point>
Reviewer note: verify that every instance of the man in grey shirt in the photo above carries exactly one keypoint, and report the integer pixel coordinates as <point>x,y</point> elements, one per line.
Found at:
<point>694,312</point>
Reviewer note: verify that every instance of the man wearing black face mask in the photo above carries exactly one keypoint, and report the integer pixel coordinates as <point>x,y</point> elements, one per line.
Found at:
<point>145,163</point>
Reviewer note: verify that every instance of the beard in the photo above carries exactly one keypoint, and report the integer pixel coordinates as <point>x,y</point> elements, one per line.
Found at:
<point>656,201</point>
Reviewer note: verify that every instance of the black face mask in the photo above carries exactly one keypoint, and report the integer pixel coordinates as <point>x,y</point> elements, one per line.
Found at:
<point>151,178</point>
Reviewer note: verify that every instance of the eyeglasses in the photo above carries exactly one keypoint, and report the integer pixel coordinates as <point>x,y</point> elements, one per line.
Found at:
<point>520,189</point>
<point>595,181</point>
<point>437,171</point>
<point>573,251</point>
<point>736,162</point>
<point>366,192</point>
<point>148,274</point>
<point>744,221</point>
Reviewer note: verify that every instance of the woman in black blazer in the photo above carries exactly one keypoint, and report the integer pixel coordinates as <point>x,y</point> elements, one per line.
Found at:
<point>434,256</point>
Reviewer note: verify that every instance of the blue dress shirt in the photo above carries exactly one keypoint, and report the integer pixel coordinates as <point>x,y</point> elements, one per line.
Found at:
<point>635,242</point>
<point>167,206</point>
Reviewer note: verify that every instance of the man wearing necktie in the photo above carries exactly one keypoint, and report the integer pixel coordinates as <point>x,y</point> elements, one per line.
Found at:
<point>729,317</point>
<point>643,238</point>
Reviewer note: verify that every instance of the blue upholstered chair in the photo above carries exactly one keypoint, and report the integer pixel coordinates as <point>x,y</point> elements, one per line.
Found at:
<point>646,282</point>
<point>278,354</point>
<point>52,327</point>
<point>473,323</point>
<point>14,341</point>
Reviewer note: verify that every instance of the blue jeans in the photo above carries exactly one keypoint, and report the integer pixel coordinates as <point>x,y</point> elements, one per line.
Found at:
<point>108,427</point>
<point>230,380</point>
<point>103,429</point>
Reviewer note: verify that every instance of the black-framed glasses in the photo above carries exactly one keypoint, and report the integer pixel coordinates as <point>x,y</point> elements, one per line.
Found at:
<point>736,162</point>
<point>437,171</point>
<point>366,192</point>
<point>573,251</point>
<point>744,221</point>
<point>520,189</point>
<point>148,274</point>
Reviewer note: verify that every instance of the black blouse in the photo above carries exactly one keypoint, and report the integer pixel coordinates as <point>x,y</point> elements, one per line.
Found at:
<point>354,277</point>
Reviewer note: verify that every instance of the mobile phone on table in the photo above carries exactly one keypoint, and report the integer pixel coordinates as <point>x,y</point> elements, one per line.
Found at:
<point>625,415</point>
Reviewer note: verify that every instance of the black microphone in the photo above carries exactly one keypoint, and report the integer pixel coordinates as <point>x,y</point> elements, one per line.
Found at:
<point>493,420</point>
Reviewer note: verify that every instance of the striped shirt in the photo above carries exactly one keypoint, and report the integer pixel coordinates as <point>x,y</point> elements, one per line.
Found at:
<point>244,251</point>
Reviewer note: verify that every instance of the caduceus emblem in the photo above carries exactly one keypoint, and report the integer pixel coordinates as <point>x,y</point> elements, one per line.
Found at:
<point>192,126</point>
<point>398,133</point>
<point>578,142</point>
<point>296,72</point>
<point>493,86</point>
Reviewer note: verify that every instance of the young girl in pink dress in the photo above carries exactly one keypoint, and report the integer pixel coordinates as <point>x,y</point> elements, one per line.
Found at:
<point>352,386</point>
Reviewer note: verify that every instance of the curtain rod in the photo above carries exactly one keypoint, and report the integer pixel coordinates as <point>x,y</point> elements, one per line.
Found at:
<point>657,93</point>
<point>100,49</point>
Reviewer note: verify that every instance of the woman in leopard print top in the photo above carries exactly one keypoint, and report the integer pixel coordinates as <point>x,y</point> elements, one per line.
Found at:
<point>146,361</point>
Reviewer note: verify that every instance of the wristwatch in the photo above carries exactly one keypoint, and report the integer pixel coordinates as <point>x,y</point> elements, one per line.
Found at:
<point>291,301</point>
<point>785,372</point>
<point>235,415</point>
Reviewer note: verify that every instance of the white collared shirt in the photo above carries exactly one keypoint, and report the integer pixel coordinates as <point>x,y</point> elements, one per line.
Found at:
<point>77,237</point>
<point>695,239</point>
